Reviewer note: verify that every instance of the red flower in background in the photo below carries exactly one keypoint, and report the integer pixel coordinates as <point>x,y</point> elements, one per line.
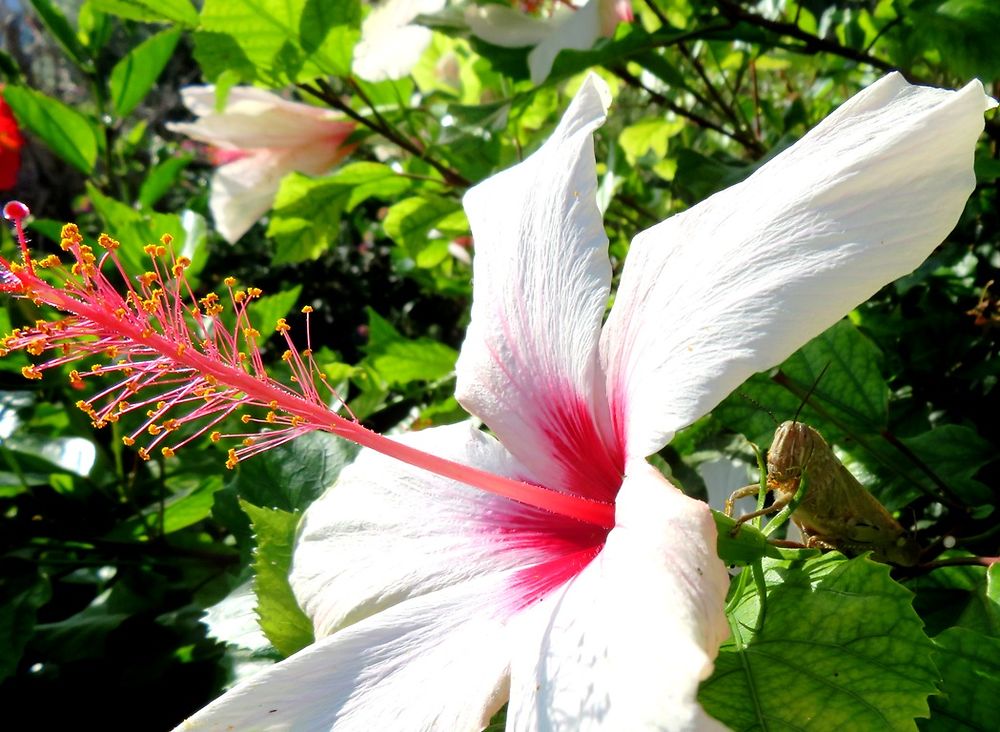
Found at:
<point>11,142</point>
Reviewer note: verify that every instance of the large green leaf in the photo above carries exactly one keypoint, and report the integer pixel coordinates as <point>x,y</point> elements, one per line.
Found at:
<point>288,477</point>
<point>69,133</point>
<point>287,40</point>
<point>133,76</point>
<point>970,668</point>
<point>839,646</point>
<point>281,618</point>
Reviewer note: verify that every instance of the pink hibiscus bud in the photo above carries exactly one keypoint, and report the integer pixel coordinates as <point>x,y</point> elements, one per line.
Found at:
<point>256,141</point>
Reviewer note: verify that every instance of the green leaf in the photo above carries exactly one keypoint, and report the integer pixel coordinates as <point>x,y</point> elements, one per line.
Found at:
<point>288,477</point>
<point>955,453</point>
<point>22,593</point>
<point>839,643</point>
<point>399,360</point>
<point>962,32</point>
<point>281,618</point>
<point>286,41</point>
<point>969,663</point>
<point>852,393</point>
<point>133,76</point>
<point>648,136</point>
<point>307,211</point>
<point>179,512</point>
<point>410,222</point>
<point>220,56</point>
<point>161,178</point>
<point>151,11</point>
<point>56,23</point>
<point>269,308</point>
<point>68,133</point>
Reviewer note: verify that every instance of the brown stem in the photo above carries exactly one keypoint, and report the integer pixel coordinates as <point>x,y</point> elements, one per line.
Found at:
<point>326,94</point>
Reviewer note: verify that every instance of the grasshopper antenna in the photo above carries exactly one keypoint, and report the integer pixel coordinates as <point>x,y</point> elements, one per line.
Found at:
<point>760,406</point>
<point>809,393</point>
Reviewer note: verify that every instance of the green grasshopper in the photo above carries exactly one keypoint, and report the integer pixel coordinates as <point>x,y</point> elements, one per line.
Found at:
<point>836,512</point>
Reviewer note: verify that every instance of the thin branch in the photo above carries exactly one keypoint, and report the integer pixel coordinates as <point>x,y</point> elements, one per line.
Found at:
<point>812,43</point>
<point>655,10</point>
<point>699,68</point>
<point>325,93</point>
<point>708,124</point>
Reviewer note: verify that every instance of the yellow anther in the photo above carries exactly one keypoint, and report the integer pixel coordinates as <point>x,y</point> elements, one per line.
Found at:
<point>31,372</point>
<point>167,452</point>
<point>128,441</point>
<point>215,436</point>
<point>107,242</point>
<point>307,309</point>
<point>144,453</point>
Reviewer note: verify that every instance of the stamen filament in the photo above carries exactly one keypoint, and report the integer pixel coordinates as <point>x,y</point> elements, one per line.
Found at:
<point>148,338</point>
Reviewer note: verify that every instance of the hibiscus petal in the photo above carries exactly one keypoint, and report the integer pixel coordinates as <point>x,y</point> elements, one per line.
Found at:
<point>529,366</point>
<point>254,118</point>
<point>439,662</point>
<point>387,532</point>
<point>576,31</point>
<point>389,45</point>
<point>507,27</point>
<point>624,645</point>
<point>737,283</point>
<point>244,190</point>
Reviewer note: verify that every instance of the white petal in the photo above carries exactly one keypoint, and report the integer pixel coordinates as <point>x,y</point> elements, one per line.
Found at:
<point>737,283</point>
<point>244,190</point>
<point>389,46</point>
<point>624,645</point>
<point>576,31</point>
<point>437,662</point>
<point>504,26</point>
<point>387,532</point>
<point>255,119</point>
<point>541,274</point>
